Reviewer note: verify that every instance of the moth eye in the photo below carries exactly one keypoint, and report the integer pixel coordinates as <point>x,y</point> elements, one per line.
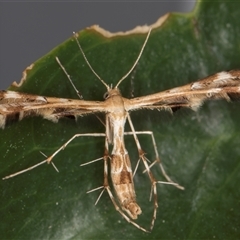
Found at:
<point>106,95</point>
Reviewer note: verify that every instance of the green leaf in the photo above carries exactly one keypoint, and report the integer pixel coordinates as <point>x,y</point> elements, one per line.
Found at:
<point>200,150</point>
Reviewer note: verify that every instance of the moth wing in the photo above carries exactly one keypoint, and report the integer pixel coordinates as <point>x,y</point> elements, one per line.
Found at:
<point>15,106</point>
<point>223,85</point>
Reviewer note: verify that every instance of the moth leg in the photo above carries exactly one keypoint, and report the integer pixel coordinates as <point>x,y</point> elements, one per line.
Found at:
<point>158,160</point>
<point>150,174</point>
<point>157,157</point>
<point>49,159</point>
<point>147,167</point>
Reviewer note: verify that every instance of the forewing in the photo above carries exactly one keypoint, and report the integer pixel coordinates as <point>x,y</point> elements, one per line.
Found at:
<point>14,106</point>
<point>223,85</point>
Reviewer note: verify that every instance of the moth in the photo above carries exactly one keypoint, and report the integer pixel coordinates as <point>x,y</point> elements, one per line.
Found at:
<point>16,106</point>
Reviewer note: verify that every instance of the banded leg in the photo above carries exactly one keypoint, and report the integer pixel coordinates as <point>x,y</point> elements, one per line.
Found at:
<point>157,157</point>
<point>147,167</point>
<point>49,159</point>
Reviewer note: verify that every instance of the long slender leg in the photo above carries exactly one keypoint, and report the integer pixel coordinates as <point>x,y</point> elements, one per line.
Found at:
<point>151,177</point>
<point>147,167</point>
<point>49,159</point>
<point>157,160</point>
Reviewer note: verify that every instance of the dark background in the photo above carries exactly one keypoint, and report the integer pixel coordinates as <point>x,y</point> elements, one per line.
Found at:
<point>28,30</point>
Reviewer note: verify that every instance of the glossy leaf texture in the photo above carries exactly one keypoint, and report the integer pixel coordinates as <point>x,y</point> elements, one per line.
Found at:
<point>200,150</point>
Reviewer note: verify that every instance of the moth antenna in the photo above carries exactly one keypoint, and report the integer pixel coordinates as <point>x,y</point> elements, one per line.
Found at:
<point>86,60</point>
<point>139,56</point>
<point>69,78</point>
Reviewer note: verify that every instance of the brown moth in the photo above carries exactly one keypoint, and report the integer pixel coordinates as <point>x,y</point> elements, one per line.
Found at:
<point>16,106</point>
